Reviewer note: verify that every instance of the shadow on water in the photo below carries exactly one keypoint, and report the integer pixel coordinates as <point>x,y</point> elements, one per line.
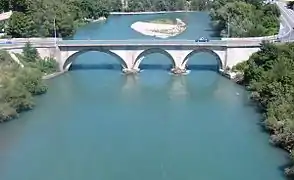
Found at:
<point>76,67</point>
<point>213,33</point>
<point>169,67</point>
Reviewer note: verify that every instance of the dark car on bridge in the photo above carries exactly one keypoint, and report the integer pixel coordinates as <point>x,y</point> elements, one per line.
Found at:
<point>202,39</point>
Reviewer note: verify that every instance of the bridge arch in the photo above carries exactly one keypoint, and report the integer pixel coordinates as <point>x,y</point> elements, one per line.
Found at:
<point>146,52</point>
<point>67,63</point>
<point>204,50</point>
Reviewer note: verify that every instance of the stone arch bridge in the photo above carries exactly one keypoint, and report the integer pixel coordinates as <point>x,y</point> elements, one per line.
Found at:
<point>130,53</point>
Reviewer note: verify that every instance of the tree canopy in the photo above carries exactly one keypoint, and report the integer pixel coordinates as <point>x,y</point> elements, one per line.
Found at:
<point>245,18</point>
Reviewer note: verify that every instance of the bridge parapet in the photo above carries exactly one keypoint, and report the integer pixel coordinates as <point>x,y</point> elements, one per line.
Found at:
<point>251,38</point>
<point>31,40</point>
<point>156,43</point>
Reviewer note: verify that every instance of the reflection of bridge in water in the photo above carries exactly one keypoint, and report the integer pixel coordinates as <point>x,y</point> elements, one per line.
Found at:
<point>130,82</point>
<point>179,87</point>
<point>185,87</point>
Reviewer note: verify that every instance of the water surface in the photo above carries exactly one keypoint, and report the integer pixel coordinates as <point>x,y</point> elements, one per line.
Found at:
<point>95,123</point>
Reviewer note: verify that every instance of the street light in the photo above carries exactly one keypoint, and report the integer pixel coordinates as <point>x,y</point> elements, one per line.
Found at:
<point>55,31</point>
<point>228,26</point>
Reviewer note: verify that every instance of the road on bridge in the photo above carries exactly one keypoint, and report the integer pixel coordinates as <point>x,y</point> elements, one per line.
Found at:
<point>135,42</point>
<point>179,42</point>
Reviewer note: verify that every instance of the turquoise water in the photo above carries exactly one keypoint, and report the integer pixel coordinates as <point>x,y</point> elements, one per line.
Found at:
<point>96,123</point>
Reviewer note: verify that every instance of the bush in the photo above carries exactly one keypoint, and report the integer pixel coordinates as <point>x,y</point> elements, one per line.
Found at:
<point>240,67</point>
<point>7,112</point>
<point>16,96</point>
<point>31,58</point>
<point>47,66</point>
<point>32,80</point>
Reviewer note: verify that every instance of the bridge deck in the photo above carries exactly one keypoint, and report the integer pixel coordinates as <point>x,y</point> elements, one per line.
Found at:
<point>216,43</point>
<point>134,43</point>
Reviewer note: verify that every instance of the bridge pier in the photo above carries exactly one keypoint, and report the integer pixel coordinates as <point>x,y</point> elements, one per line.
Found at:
<point>130,71</point>
<point>180,57</point>
<point>178,70</point>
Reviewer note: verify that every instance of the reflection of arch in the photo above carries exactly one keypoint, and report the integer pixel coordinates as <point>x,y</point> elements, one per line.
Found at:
<point>141,56</point>
<point>71,58</point>
<point>130,81</point>
<point>186,86</point>
<point>178,87</point>
<point>203,50</point>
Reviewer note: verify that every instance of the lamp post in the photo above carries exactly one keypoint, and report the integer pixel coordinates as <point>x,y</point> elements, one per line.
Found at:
<point>55,31</point>
<point>228,26</point>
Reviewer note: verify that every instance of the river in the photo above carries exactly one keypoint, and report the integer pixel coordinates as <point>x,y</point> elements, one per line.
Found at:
<point>97,124</point>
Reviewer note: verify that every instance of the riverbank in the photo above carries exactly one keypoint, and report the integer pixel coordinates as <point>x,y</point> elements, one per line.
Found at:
<point>271,89</point>
<point>159,30</point>
<point>52,75</point>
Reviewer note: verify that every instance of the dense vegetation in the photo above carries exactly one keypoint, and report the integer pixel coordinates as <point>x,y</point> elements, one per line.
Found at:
<point>167,5</point>
<point>269,74</point>
<point>19,85</point>
<point>245,18</point>
<point>35,18</point>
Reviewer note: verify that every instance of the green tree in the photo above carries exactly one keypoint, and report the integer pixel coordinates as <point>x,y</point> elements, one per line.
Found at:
<point>4,5</point>
<point>20,26</point>
<point>30,54</point>
<point>245,18</point>
<point>15,94</point>
<point>31,79</point>
<point>18,5</point>
<point>199,5</point>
